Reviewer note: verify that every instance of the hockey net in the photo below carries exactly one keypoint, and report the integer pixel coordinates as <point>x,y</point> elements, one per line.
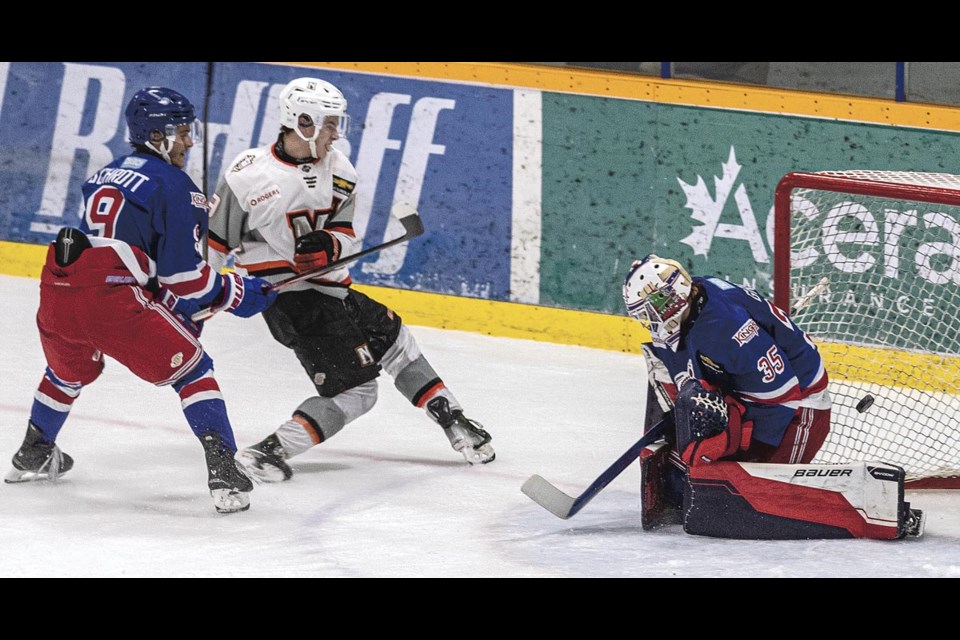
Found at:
<point>874,256</point>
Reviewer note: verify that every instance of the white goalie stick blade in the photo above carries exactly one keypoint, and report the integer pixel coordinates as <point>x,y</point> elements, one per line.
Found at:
<point>548,496</point>
<point>563,506</point>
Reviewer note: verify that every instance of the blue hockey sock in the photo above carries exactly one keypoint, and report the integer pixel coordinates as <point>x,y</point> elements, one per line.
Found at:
<point>51,404</point>
<point>203,404</point>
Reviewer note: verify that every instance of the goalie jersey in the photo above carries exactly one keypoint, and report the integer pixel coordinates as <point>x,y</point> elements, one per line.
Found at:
<point>264,203</point>
<point>740,342</point>
<point>156,207</point>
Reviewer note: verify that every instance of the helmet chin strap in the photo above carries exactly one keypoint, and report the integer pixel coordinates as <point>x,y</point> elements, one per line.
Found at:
<point>164,149</point>
<point>312,140</point>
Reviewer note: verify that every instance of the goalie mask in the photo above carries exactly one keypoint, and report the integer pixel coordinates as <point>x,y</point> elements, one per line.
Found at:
<point>657,293</point>
<point>319,100</point>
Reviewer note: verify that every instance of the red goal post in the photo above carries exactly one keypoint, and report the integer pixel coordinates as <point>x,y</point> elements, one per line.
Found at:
<point>887,245</point>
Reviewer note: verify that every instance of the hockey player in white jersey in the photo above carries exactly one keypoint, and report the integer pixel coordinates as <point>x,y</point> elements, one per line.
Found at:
<point>287,209</point>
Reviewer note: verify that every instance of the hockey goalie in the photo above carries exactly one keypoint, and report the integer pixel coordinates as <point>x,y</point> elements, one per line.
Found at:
<point>745,393</point>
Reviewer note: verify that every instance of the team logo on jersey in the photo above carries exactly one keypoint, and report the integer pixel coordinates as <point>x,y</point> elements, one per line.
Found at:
<point>342,185</point>
<point>246,161</point>
<point>133,163</point>
<point>176,360</point>
<point>709,364</point>
<point>364,355</point>
<point>263,197</point>
<point>747,332</point>
<point>198,200</point>
<point>319,378</point>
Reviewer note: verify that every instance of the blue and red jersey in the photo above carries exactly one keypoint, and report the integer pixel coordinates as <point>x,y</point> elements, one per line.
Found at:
<point>740,342</point>
<point>150,204</point>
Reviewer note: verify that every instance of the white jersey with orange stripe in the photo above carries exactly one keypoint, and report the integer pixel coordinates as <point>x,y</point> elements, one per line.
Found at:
<point>264,203</point>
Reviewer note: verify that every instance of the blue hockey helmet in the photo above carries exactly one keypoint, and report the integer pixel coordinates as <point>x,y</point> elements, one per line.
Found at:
<point>159,109</point>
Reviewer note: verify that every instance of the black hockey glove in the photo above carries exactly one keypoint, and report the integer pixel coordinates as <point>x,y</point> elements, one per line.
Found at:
<point>315,250</point>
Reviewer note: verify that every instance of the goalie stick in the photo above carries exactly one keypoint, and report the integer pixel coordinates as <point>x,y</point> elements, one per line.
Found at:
<point>412,227</point>
<point>563,506</point>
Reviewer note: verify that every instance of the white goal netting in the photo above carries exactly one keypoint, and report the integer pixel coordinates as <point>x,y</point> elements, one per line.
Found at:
<point>886,248</point>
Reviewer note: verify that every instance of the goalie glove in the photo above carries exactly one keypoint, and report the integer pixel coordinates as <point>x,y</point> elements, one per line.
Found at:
<point>710,425</point>
<point>315,250</point>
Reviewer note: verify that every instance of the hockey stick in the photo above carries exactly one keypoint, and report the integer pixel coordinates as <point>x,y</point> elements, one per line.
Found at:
<point>412,227</point>
<point>563,506</point>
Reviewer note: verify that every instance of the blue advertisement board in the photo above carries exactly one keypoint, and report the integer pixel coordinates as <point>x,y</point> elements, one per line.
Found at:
<point>442,146</point>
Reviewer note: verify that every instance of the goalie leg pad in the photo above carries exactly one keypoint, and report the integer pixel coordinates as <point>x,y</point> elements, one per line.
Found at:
<point>757,501</point>
<point>661,487</point>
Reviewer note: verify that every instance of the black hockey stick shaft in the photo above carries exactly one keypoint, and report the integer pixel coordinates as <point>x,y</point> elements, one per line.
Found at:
<point>412,227</point>
<point>564,506</point>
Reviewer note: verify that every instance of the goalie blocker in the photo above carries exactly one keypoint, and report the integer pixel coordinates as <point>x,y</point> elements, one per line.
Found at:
<point>763,501</point>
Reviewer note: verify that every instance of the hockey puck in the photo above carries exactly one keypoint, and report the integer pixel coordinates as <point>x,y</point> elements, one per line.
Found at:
<point>865,403</point>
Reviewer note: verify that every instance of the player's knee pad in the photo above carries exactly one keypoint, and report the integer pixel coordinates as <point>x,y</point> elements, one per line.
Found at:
<point>795,502</point>
<point>327,416</point>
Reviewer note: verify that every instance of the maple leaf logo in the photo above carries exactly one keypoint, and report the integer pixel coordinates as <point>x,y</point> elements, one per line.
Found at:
<point>707,209</point>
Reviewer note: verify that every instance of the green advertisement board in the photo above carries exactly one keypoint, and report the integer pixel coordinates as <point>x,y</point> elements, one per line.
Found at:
<point>624,178</point>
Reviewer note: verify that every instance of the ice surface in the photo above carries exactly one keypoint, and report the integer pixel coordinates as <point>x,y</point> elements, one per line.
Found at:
<point>386,497</point>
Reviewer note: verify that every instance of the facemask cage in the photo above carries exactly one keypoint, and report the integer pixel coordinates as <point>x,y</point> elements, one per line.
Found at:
<point>656,293</point>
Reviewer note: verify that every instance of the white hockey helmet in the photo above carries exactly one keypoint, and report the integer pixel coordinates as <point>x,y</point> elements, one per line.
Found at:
<point>319,100</point>
<point>657,293</point>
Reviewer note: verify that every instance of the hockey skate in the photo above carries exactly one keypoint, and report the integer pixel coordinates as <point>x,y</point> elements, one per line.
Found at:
<point>227,479</point>
<point>466,436</point>
<point>266,460</point>
<point>38,460</point>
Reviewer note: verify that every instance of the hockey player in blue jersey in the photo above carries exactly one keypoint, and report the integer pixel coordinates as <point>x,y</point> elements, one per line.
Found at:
<point>712,333</point>
<point>138,294</point>
<point>740,383</point>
